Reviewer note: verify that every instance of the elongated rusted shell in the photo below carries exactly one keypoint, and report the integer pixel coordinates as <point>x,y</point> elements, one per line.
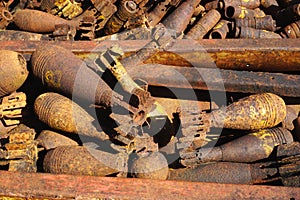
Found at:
<point>248,32</point>
<point>242,12</point>
<point>51,140</point>
<point>38,21</point>
<point>60,70</point>
<point>13,71</point>
<point>265,23</point>
<point>254,112</point>
<point>292,30</point>
<point>252,147</point>
<point>152,166</point>
<point>79,160</point>
<point>62,114</point>
<point>251,4</point>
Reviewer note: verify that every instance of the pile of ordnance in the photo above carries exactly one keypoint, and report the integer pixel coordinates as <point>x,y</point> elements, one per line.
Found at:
<point>124,110</point>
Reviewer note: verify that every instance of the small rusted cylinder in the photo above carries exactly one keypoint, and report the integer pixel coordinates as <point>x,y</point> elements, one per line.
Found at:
<point>13,71</point>
<point>252,33</point>
<point>62,114</point>
<point>223,172</point>
<point>254,112</point>
<point>242,12</point>
<point>180,18</point>
<point>204,25</point>
<point>212,5</point>
<point>251,4</point>
<point>221,30</point>
<point>150,165</point>
<point>292,30</point>
<point>249,148</point>
<point>265,23</point>
<point>79,160</point>
<point>51,64</point>
<point>38,21</point>
<point>51,140</point>
<point>287,15</point>
<point>268,3</point>
<point>8,35</point>
<point>156,15</point>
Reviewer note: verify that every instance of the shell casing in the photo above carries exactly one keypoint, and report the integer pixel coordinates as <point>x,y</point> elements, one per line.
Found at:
<point>38,21</point>
<point>251,4</point>
<point>51,140</point>
<point>13,71</point>
<point>180,18</point>
<point>205,24</point>
<point>160,10</point>
<point>79,160</point>
<point>221,30</point>
<point>249,148</point>
<point>254,112</point>
<point>265,23</point>
<point>151,166</point>
<point>292,30</point>
<point>248,32</point>
<point>233,12</point>
<point>51,63</point>
<point>62,114</point>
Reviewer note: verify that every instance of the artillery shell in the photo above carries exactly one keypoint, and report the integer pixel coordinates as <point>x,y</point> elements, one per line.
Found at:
<point>252,147</point>
<point>13,71</point>
<point>247,32</point>
<point>62,114</point>
<point>180,18</point>
<point>151,165</point>
<point>251,4</point>
<point>204,25</point>
<point>254,112</point>
<point>223,172</point>
<point>220,31</point>
<point>265,23</point>
<point>79,160</point>
<point>242,12</point>
<point>7,35</point>
<point>38,21</point>
<point>292,30</point>
<point>51,140</point>
<point>51,63</point>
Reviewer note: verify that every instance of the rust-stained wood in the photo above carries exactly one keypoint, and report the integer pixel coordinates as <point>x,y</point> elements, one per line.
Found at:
<point>277,55</point>
<point>42,185</point>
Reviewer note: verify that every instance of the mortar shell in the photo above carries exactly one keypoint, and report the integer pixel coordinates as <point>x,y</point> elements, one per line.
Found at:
<point>179,19</point>
<point>78,160</point>
<point>51,140</point>
<point>249,148</point>
<point>251,4</point>
<point>254,112</point>
<point>265,23</point>
<point>248,32</point>
<point>204,25</point>
<point>242,12</point>
<point>62,114</point>
<point>151,166</point>
<point>220,31</point>
<point>60,70</point>
<point>13,71</point>
<point>38,21</point>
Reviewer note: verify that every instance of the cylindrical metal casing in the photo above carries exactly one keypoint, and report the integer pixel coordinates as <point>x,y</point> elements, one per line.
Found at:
<point>180,18</point>
<point>248,32</point>
<point>204,25</point>
<point>265,23</point>
<point>62,114</point>
<point>220,30</point>
<point>79,160</point>
<point>254,112</point>
<point>155,16</point>
<point>242,12</point>
<point>292,30</point>
<point>13,71</point>
<point>60,70</point>
<point>251,4</point>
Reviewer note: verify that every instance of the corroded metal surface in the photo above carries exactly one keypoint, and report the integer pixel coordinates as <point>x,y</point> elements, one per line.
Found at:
<point>65,186</point>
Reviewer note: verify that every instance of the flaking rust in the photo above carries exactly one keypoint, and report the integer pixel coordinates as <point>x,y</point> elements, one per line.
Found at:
<point>81,160</point>
<point>62,114</point>
<point>252,147</point>
<point>13,71</point>
<point>254,112</point>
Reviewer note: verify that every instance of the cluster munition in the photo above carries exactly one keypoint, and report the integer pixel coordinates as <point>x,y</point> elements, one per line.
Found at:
<point>116,140</point>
